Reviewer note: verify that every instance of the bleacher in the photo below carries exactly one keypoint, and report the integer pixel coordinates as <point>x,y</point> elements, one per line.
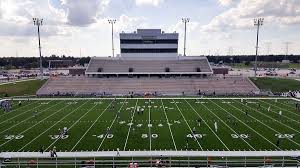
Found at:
<point>158,86</point>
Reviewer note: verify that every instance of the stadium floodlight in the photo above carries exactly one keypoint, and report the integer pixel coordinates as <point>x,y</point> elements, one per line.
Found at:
<point>112,22</point>
<point>39,22</point>
<point>257,22</point>
<point>185,20</point>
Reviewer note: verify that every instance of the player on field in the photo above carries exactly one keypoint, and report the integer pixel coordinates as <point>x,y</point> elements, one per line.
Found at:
<point>280,113</point>
<point>194,131</point>
<point>199,122</point>
<point>20,103</point>
<point>269,108</point>
<point>277,142</point>
<point>34,114</point>
<point>216,126</point>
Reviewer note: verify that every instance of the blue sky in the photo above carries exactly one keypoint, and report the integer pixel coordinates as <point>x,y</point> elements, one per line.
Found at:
<point>216,27</point>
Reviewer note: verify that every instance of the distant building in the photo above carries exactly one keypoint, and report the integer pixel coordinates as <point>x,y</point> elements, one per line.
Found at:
<point>149,42</point>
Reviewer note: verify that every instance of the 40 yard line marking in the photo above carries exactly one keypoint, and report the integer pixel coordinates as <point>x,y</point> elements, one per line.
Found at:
<point>187,123</point>
<point>168,124</point>
<point>73,125</point>
<point>227,126</point>
<point>91,126</point>
<point>53,124</point>
<point>130,125</point>
<point>111,125</point>
<point>207,125</point>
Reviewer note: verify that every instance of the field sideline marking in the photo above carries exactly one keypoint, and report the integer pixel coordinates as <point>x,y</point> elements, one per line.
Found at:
<point>20,113</point>
<point>274,119</point>
<point>14,125</point>
<point>36,123</point>
<point>5,113</point>
<point>187,124</point>
<point>282,115</point>
<point>111,125</point>
<point>132,116</point>
<point>207,125</point>
<point>168,124</point>
<point>89,110</point>
<point>149,128</point>
<point>281,108</point>
<point>269,126</point>
<point>91,126</point>
<point>52,125</point>
<point>228,126</point>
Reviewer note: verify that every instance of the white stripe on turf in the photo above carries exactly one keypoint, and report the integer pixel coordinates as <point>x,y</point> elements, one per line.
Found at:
<point>149,128</point>
<point>187,124</point>
<point>207,125</point>
<point>132,116</point>
<point>228,126</point>
<point>73,125</point>
<point>281,108</point>
<point>53,124</point>
<point>111,125</point>
<point>90,127</point>
<point>169,125</point>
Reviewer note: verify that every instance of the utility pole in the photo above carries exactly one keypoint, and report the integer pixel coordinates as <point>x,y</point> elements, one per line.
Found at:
<point>112,22</point>
<point>185,20</point>
<point>38,22</point>
<point>257,22</point>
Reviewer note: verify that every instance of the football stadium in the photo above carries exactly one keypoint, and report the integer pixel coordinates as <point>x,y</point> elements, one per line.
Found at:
<point>150,107</point>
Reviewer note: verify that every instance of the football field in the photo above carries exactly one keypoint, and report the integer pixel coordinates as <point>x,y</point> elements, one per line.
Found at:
<point>204,124</point>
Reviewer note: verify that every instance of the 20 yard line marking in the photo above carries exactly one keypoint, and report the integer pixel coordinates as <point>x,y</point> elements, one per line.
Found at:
<point>187,123</point>
<point>130,125</point>
<point>73,125</point>
<point>228,126</point>
<point>207,125</point>
<point>111,125</point>
<point>91,126</point>
<point>168,124</point>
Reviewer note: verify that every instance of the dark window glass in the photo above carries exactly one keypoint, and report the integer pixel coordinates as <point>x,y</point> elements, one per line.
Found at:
<point>167,50</point>
<point>167,41</point>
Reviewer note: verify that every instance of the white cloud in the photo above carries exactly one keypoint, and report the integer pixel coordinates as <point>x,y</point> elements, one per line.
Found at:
<point>283,12</point>
<point>148,2</point>
<point>225,2</point>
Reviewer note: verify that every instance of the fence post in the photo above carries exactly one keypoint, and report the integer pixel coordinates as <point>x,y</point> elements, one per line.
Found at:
<point>113,161</point>
<point>56,162</point>
<point>188,161</point>
<point>283,161</point>
<point>37,162</point>
<point>75,162</point>
<point>245,161</point>
<point>19,163</point>
<point>94,161</point>
<point>170,162</point>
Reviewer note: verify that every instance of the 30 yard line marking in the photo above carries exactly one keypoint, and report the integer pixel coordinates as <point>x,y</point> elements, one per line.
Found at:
<point>73,125</point>
<point>187,123</point>
<point>91,126</point>
<point>169,124</point>
<point>111,125</point>
<point>228,126</point>
<point>33,125</point>
<point>28,118</point>
<point>54,123</point>
<point>268,126</point>
<point>17,109</point>
<point>132,116</point>
<point>207,125</point>
<point>280,108</point>
<point>20,114</point>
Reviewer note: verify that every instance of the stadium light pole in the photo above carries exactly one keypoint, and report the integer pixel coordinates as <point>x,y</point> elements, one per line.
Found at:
<point>185,20</point>
<point>39,22</point>
<point>112,22</point>
<point>257,22</point>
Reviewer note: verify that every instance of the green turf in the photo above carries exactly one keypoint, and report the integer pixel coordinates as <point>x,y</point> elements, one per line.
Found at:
<point>21,88</point>
<point>276,84</point>
<point>89,121</point>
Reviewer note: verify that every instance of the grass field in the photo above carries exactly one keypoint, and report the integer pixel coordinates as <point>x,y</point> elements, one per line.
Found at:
<point>276,84</point>
<point>21,88</point>
<point>165,124</point>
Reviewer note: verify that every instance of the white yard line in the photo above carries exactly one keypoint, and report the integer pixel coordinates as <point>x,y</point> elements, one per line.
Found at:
<point>228,126</point>
<point>111,125</point>
<point>18,109</point>
<point>187,123</point>
<point>20,114</point>
<point>169,125</point>
<point>73,125</point>
<point>266,124</point>
<point>34,124</point>
<point>280,108</point>
<point>286,105</point>
<point>132,116</point>
<point>53,124</point>
<point>28,118</point>
<point>207,125</point>
<point>150,136</point>
<point>91,127</point>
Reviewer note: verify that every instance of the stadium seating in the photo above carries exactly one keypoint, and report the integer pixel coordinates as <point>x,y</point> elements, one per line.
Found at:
<point>160,86</point>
